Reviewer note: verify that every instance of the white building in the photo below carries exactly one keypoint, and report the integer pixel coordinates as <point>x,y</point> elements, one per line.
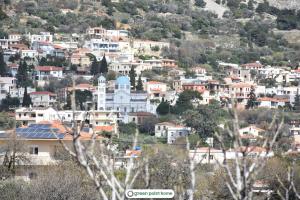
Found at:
<point>5,43</point>
<point>29,53</point>
<point>209,155</point>
<point>98,120</point>
<point>125,67</point>
<point>45,72</point>
<point>100,32</point>
<point>43,98</point>
<point>102,45</point>
<point>171,131</point>
<point>27,116</point>
<point>43,37</point>
<point>251,133</point>
<point>122,99</point>
<point>205,155</point>
<point>155,89</point>
<point>269,102</point>
<point>7,84</point>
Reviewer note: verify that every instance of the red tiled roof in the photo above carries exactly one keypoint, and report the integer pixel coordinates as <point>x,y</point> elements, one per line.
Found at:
<point>252,149</point>
<point>208,149</point>
<point>48,68</point>
<point>272,99</point>
<point>104,128</point>
<point>254,64</point>
<point>133,152</point>
<point>241,85</point>
<point>57,46</point>
<point>154,82</point>
<point>13,65</point>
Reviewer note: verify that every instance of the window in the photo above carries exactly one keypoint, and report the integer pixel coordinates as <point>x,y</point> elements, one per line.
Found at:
<point>34,150</point>
<point>40,115</point>
<point>32,175</point>
<point>211,157</point>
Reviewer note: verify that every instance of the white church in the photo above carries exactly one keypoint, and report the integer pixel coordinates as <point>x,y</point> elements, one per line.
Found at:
<point>122,99</point>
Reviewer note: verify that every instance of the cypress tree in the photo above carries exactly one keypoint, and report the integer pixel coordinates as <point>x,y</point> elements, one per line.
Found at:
<point>2,64</point>
<point>94,67</point>
<point>26,98</point>
<point>139,86</point>
<point>103,66</point>
<point>132,76</point>
<point>163,108</point>
<point>22,75</point>
<point>297,101</point>
<point>251,103</point>
<point>68,105</point>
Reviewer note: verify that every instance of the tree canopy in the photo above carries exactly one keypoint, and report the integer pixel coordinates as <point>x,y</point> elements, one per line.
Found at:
<point>3,70</point>
<point>132,76</point>
<point>103,66</point>
<point>185,101</point>
<point>26,99</point>
<point>139,86</point>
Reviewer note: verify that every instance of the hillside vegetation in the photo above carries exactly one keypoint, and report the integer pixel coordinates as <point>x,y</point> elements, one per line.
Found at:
<point>244,33</point>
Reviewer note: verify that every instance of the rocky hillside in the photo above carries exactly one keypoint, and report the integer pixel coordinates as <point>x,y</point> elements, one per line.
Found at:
<point>284,4</point>
<point>200,31</point>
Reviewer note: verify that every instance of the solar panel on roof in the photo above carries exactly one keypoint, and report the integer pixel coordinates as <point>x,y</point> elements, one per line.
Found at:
<point>35,134</point>
<point>30,135</point>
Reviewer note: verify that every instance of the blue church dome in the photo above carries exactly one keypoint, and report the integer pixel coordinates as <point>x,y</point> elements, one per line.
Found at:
<point>123,80</point>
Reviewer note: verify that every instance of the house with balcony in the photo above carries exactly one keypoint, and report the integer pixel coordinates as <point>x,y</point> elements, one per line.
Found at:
<point>42,37</point>
<point>81,60</point>
<point>195,86</point>
<point>45,72</point>
<point>240,91</point>
<point>100,32</point>
<point>139,117</point>
<point>254,66</point>
<point>7,84</point>
<point>295,132</point>
<point>199,71</point>
<point>269,102</point>
<point>171,131</point>
<point>27,116</point>
<point>169,64</point>
<point>155,89</point>
<point>251,133</point>
<point>5,43</point>
<point>102,45</point>
<point>29,53</point>
<point>208,155</point>
<point>41,146</point>
<point>43,98</point>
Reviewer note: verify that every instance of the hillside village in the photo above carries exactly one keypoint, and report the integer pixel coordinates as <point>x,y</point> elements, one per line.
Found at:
<point>61,92</point>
